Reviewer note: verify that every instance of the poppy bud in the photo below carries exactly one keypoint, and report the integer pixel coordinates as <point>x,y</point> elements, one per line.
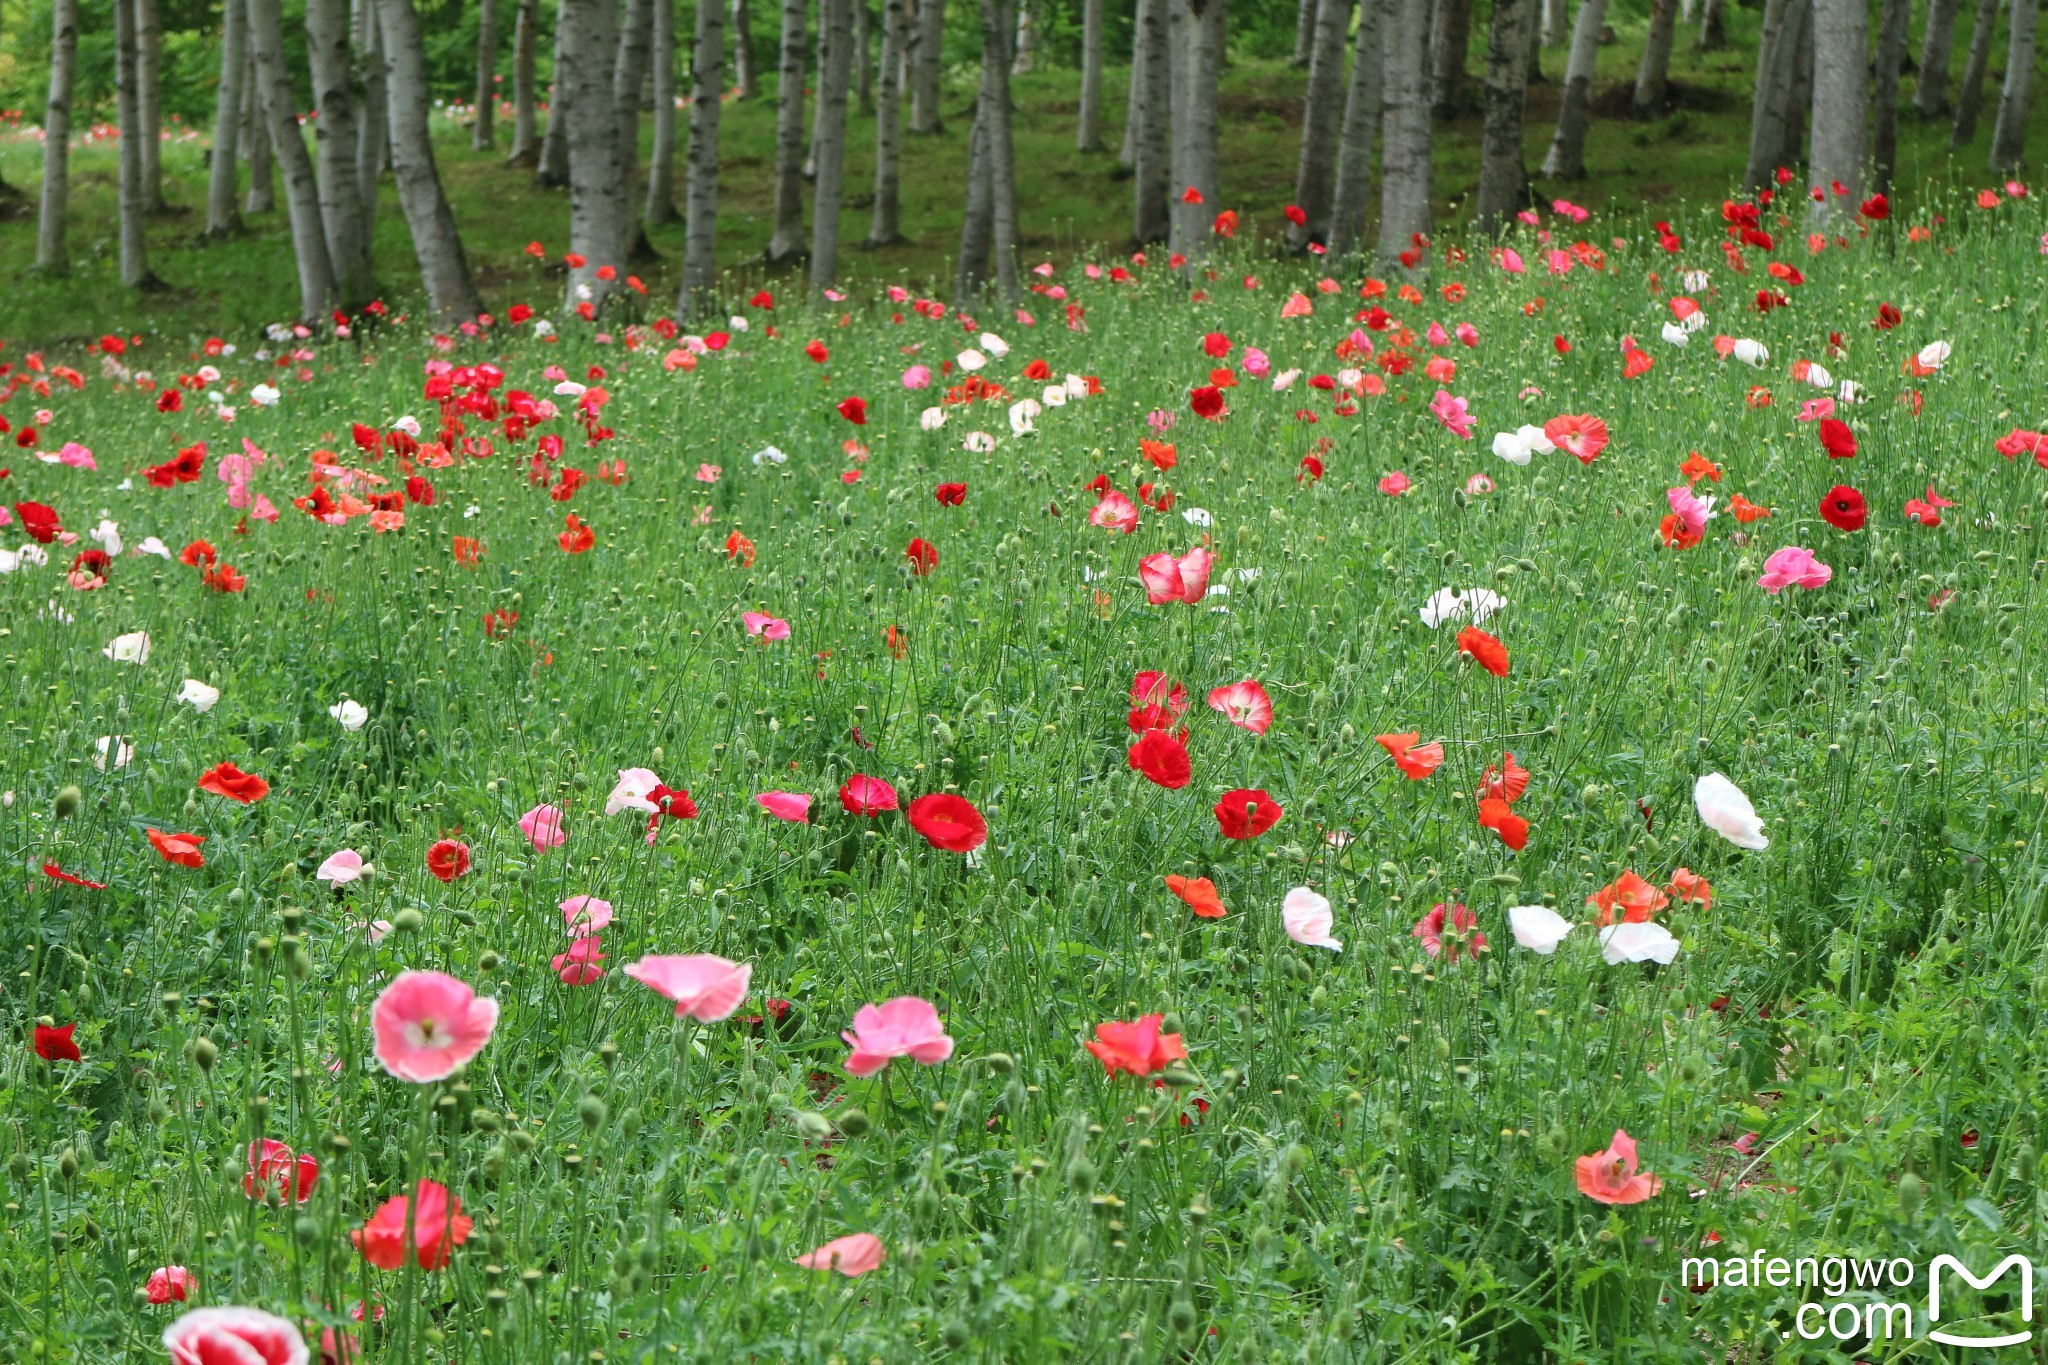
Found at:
<point>489,961</point>
<point>956,1334</point>
<point>852,1123</point>
<point>522,1140</point>
<point>1080,1175</point>
<point>408,921</point>
<point>68,801</point>
<point>592,1111</point>
<point>338,1144</point>
<point>2023,1164</point>
<point>1911,1191</point>
<point>1179,1077</point>
<point>67,1164</point>
<point>813,1126</point>
<point>1180,1316</point>
<point>205,1053</point>
<point>1001,1063</point>
<point>307,1229</point>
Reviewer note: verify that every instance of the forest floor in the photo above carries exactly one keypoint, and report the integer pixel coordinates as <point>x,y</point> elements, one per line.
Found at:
<point>1071,201</point>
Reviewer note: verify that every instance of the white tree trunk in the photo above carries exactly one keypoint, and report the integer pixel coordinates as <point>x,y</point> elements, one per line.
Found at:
<point>700,242</point>
<point>1841,103</point>
<point>1556,22</point>
<point>1653,72</point>
<point>133,206</point>
<point>334,151</point>
<point>1322,122</point>
<point>1149,129</point>
<point>884,227</point>
<point>483,131</point>
<point>661,162</point>
<point>1088,135</point>
<point>927,63</point>
<point>288,145</point>
<point>1894,21</point>
<point>221,218</point>
<point>835,73</point>
<point>863,68</point>
<point>977,224</point>
<point>1197,165</point>
<point>1776,58</point>
<point>1502,174</point>
<point>1567,157</point>
<point>1970,98</point>
<point>525,123</point>
<point>1930,91</point>
<point>373,128</point>
<point>444,267</point>
<point>629,80</point>
<point>745,71</point>
<point>597,168</point>
<point>52,257</point>
<point>256,139</point>
<point>1406,182</point>
<point>786,241</point>
<point>149,52</point>
<point>1304,31</point>
<point>1026,59</point>
<point>2009,136</point>
<point>1361,123</point>
<point>552,170</point>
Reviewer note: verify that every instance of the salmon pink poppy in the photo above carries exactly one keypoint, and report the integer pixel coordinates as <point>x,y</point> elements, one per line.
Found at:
<point>704,986</point>
<point>1628,898</point>
<point>1168,579</point>
<point>1449,930</point>
<point>1163,759</point>
<point>1245,704</point>
<point>948,822</point>
<point>542,827</point>
<point>437,1222</point>
<point>182,849</point>
<point>585,914</point>
<point>1793,566</point>
<point>794,807</point>
<point>907,1026</point>
<point>1199,894</point>
<point>1489,653</point>
<point>448,859</point>
<point>1246,813</point>
<point>1415,760</point>
<point>1611,1177</point>
<point>1690,888</point>
<point>234,1336</point>
<point>1844,508</point>
<point>864,795</point>
<point>429,1024</point>
<point>1137,1048</point>
<point>851,1256</point>
<point>761,626</point>
<point>269,1164</point>
<point>1395,484</point>
<point>579,966</point>
<point>226,780</point>
<point>1582,434</point>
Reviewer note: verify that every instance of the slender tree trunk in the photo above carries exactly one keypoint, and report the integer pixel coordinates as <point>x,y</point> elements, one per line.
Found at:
<point>863,68</point>
<point>1150,129</point>
<point>52,257</point>
<point>1567,158</point>
<point>221,218</point>
<point>334,152</point>
<point>1503,178</point>
<point>1653,72</point>
<point>1841,104</point>
<point>135,272</point>
<point>977,224</point>
<point>1026,47</point>
<point>1361,122</point>
<point>700,241</point>
<point>2009,135</point>
<point>1088,137</point>
<point>1556,22</point>
<point>1713,26</point>
<point>1777,51</point>
<point>287,143</point>
<point>927,64</point>
<point>1406,178</point>
<point>998,20</point>
<point>661,163</point>
<point>552,171</point>
<point>1970,98</point>
<point>525,125</point>
<point>746,71</point>
<point>149,51</point>
<point>256,138</point>
<point>1894,21</point>
<point>787,240</point>
<point>483,131</point>
<point>1304,31</point>
<point>1197,164</point>
<point>835,71</point>
<point>1322,120</point>
<point>1800,103</point>
<point>373,129</point>
<point>629,79</point>
<point>1450,37</point>
<point>883,227</point>
<point>1134,93</point>
<point>1930,89</point>
<point>444,267</point>
<point>1535,62</point>
<point>597,168</point>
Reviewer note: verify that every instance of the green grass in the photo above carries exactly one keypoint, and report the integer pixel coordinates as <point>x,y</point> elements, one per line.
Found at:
<point>1069,201</point>
<point>1381,1163</point>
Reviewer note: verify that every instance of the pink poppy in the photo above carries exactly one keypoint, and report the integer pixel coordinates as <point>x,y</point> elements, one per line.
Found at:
<point>1582,434</point>
<point>705,987</point>
<point>234,1336</point>
<point>1245,704</point>
<point>762,626</point>
<point>1114,512</point>
<point>864,795</point>
<point>1395,484</point>
<point>271,1164</point>
<point>1167,579</point>
<point>1691,509</point>
<point>579,966</point>
<point>428,1024</point>
<point>850,1256</point>
<point>1448,931</point>
<point>1454,413</point>
<point>904,1027</point>
<point>586,914</point>
<point>1610,1177</point>
<point>168,1284</point>
<point>542,827</point>
<point>917,377</point>
<point>1793,567</point>
<point>792,806</point>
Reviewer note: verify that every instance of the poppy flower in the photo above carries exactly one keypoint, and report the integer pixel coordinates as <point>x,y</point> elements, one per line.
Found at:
<point>39,521</point>
<point>1448,931</point>
<point>428,1025</point>
<point>576,537</point>
<point>1746,511</point>
<point>1928,511</point>
<point>866,796</point>
<point>1168,579</point>
<point>1114,512</point>
<point>1163,759</point>
<point>1690,888</point>
<point>1724,808</point>
<point>1844,508</point>
<point>469,552</point>
<point>1489,653</point>
<point>1246,813</point>
<point>580,964</point>
<point>1497,815</point>
<point>794,807</point>
<point>948,822</point>
<point>269,1164</point>
<point>182,849</point>
<point>1582,434</point>
<point>227,780</point>
<point>1199,894</point>
<point>704,986</point>
<point>1507,782</point>
<point>1308,920</point>
<point>1416,760</point>
<point>1611,1177</point>
<point>1245,705</point>
<point>1162,454</point>
<point>448,859</point>
<point>56,873</point>
<point>854,410</point>
<point>922,554</point>
<point>950,494</point>
<point>1206,401</point>
<point>438,1227</point>
<point>851,1256</point>
<point>168,1284</point>
<point>1138,1047</point>
<point>55,1044</point>
<point>1837,439</point>
<point>1793,566</point>
<point>205,1336</point>
<point>1628,898</point>
<point>907,1026</point>
<point>761,626</point>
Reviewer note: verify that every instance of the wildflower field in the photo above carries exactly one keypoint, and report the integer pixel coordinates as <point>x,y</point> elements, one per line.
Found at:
<point>1268,811</point>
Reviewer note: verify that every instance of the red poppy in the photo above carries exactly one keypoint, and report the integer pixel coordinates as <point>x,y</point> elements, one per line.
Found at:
<point>1137,1047</point>
<point>816,351</point>
<point>1296,215</point>
<point>226,578</point>
<point>182,849</point>
<point>1163,759</point>
<point>738,547</point>
<point>668,801</point>
<point>56,873</point>
<point>1836,439</point>
<point>948,822</point>
<point>448,859</point>
<point>950,494</point>
<point>1489,653</point>
<point>498,624</point>
<point>576,537</point>
<point>1038,370</point>
<point>55,1045</point>
<point>567,481</point>
<point>197,553</point>
<point>39,521</point>
<point>1416,760</point>
<point>225,779</point>
<point>1199,894</point>
<point>1844,509</point>
<point>469,552</point>
<point>1207,402</point>
<point>1507,782</point>
<point>854,410</point>
<point>1877,208</point>
<point>1887,318</point>
<point>922,554</point>
<point>270,1164</point>
<point>1246,813</point>
<point>866,796</point>
<point>1498,816</point>
<point>437,1227</point>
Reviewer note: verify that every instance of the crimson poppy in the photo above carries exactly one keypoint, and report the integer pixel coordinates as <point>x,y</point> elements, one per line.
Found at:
<point>948,822</point>
<point>922,554</point>
<point>1207,402</point>
<point>576,537</point>
<point>1246,813</point>
<point>448,859</point>
<point>854,410</point>
<point>816,351</point>
<point>1844,508</point>
<point>1837,439</point>
<point>39,521</point>
<point>1489,653</point>
<point>1163,759</point>
<point>950,494</point>
<point>1887,318</point>
<point>55,1045</point>
<point>225,779</point>
<point>866,796</point>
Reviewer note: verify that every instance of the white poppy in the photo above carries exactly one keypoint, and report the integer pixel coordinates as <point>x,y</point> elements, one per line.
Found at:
<point>132,648</point>
<point>265,396</point>
<point>1724,809</point>
<point>768,455</point>
<point>1197,516</point>
<point>970,360</point>
<point>931,419</point>
<point>108,534</point>
<point>198,695</point>
<point>1308,919</point>
<point>1445,604</point>
<point>994,345</point>
<point>1538,927</point>
<point>350,715</point>
<point>1676,335</point>
<point>1510,448</point>
<point>120,750</point>
<point>1934,354</point>
<point>1749,352</point>
<point>634,791</point>
<point>1647,941</point>
<point>152,545</point>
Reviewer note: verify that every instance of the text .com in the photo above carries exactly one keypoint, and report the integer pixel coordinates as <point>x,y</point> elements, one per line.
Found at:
<point>1877,1311</point>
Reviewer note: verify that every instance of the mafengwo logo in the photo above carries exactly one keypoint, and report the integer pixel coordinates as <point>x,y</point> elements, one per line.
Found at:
<point>1851,1303</point>
<point>1934,1269</point>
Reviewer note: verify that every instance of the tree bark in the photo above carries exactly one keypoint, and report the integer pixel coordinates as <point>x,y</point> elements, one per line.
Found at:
<point>128,101</point>
<point>1653,72</point>
<point>927,63</point>
<point>745,71</point>
<point>835,71</point>
<point>884,227</point>
<point>221,218</point>
<point>1970,98</point>
<point>1026,46</point>
<point>1713,25</point>
<point>977,223</point>
<point>1088,137</point>
<point>483,130</point>
<point>700,241</point>
<point>288,145</point>
<point>373,128</point>
<point>998,23</point>
<point>1197,165</point>
<point>1894,21</point>
<point>1930,89</point>
<point>552,170</point>
<point>629,76</point>
<point>1149,130</point>
<point>334,149</point>
<point>1304,30</point>
<point>2009,134</point>
<point>1322,119</point>
<point>1776,53</point>
<point>444,267</point>
<point>1361,122</point>
<point>52,255</point>
<point>787,240</point>
<point>1503,178</point>
<point>1567,157</point>
<point>1800,102</point>
<point>1841,103</point>
<point>597,168</point>
<point>661,161</point>
<point>1556,22</point>
<point>863,68</point>
<point>256,138</point>
<point>1406,177</point>
<point>1450,37</point>
<point>149,52</point>
<point>525,125</point>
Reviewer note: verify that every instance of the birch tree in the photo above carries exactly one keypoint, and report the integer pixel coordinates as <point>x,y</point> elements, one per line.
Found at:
<point>661,161</point>
<point>746,72</point>
<point>1322,121</point>
<point>988,230</point>
<point>1196,190</point>
<point>483,129</point>
<point>444,267</point>
<point>927,63</point>
<point>1567,157</point>
<point>1930,91</point>
<point>629,75</point>
<point>221,218</point>
<point>2009,134</point>
<point>1149,126</point>
<point>1841,104</point>
<point>884,227</point>
<point>1894,21</point>
<point>525,121</point>
<point>597,168</point>
<point>786,240</point>
<point>135,273</point>
<point>1450,35</point>
<point>1361,123</point>
<point>835,71</point>
<point>1653,72</point>
<point>334,152</point>
<point>262,196</point>
<point>552,169</point>
<point>149,55</point>
<point>1088,133</point>
<point>288,146</point>
<point>373,128</point>
<point>1770,95</point>
<point>700,240</point>
<point>1502,176</point>
<point>1406,178</point>
<point>52,254</point>
<point>1970,97</point>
